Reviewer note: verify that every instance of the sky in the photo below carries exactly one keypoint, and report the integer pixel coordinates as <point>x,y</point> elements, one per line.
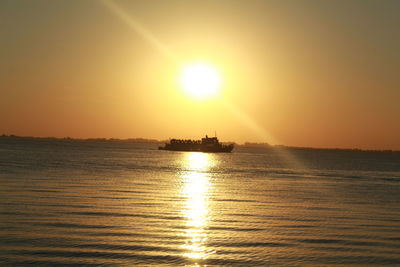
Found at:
<point>297,73</point>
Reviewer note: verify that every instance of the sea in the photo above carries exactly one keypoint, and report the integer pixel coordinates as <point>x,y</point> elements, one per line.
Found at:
<point>101,203</point>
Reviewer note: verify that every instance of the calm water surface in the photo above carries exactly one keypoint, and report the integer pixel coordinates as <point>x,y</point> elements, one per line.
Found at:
<point>98,203</point>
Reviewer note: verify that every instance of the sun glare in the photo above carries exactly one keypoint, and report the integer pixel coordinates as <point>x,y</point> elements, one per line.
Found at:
<point>200,80</point>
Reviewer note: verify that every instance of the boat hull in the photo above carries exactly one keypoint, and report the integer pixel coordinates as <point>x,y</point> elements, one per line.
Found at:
<point>207,144</point>
<point>225,149</point>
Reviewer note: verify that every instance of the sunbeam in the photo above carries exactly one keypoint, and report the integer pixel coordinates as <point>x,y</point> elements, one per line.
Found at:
<point>262,133</point>
<point>139,29</point>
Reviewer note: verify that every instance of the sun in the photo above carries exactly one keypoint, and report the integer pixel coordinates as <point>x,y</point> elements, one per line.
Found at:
<point>200,80</point>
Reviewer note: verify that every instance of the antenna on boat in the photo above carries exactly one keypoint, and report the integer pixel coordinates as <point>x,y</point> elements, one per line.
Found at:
<point>215,133</point>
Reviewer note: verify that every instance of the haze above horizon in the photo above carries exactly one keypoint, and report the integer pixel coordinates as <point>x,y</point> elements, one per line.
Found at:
<point>298,73</point>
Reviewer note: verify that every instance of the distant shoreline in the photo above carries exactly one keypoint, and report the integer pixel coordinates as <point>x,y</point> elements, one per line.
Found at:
<point>261,146</point>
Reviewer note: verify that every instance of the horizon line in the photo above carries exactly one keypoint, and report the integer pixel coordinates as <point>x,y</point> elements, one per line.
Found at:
<point>262,145</point>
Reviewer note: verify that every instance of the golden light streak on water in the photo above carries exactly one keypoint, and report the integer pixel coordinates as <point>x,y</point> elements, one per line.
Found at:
<point>198,162</point>
<point>196,190</point>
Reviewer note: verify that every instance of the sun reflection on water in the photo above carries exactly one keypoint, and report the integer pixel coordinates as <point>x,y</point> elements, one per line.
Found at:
<point>196,191</point>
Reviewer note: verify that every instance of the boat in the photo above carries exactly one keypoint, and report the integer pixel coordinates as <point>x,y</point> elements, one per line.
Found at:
<point>206,144</point>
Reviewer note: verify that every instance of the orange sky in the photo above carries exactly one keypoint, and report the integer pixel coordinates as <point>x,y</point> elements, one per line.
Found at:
<point>301,73</point>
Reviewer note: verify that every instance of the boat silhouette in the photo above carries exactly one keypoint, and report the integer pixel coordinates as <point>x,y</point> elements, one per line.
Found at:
<point>206,144</point>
